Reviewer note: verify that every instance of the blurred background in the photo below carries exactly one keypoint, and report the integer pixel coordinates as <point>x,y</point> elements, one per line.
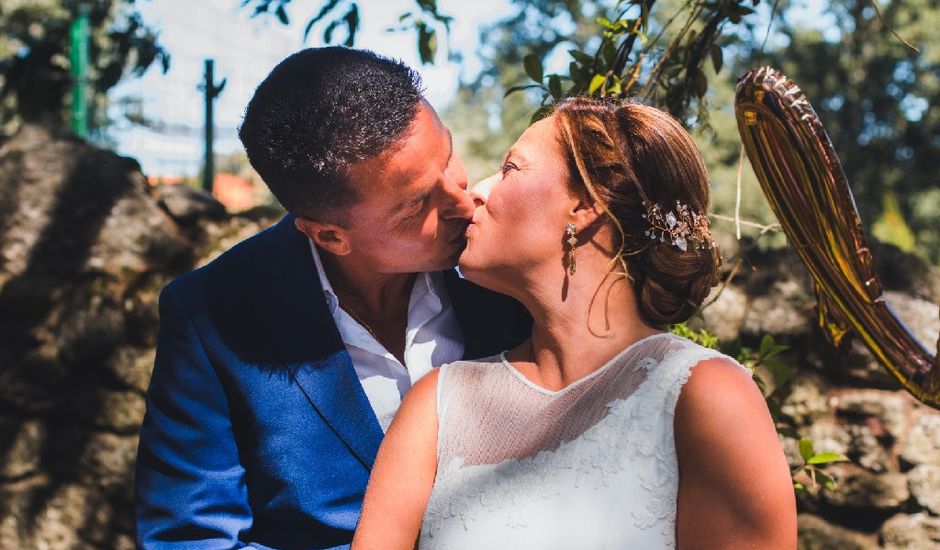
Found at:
<point>120,168</point>
<point>146,75</point>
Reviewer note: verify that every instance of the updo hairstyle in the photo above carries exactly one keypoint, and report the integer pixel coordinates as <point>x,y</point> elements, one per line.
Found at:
<point>622,154</point>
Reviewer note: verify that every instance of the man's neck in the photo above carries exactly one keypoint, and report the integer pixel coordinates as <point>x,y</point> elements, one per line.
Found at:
<point>373,295</point>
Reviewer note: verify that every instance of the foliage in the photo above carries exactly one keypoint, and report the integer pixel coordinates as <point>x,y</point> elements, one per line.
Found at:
<point>880,102</point>
<point>702,337</point>
<point>539,27</point>
<point>890,227</point>
<point>813,468</point>
<point>878,98</point>
<point>424,19</point>
<point>773,377</point>
<point>639,54</point>
<point>35,77</point>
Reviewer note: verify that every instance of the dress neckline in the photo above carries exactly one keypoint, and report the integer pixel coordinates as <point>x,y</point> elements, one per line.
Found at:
<point>606,366</point>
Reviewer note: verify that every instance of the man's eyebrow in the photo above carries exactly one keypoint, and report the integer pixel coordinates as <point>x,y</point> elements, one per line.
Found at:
<point>399,208</point>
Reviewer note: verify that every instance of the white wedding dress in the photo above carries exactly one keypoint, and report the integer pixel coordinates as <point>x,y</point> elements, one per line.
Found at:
<point>591,466</point>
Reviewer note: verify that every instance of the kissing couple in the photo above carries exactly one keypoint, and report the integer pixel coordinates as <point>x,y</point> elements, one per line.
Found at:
<point>334,380</point>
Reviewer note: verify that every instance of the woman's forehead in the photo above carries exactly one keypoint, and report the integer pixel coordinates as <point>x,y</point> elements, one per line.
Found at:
<point>539,135</point>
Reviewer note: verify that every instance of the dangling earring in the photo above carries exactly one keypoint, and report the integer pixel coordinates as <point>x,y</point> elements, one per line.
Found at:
<point>570,231</point>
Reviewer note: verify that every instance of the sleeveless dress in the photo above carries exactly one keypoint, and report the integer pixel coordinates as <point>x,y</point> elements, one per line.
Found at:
<point>591,466</point>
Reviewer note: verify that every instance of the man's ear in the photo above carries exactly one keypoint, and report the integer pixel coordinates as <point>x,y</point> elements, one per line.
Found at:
<point>328,236</point>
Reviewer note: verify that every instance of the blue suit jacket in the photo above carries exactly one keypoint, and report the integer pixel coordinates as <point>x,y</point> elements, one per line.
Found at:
<point>257,430</point>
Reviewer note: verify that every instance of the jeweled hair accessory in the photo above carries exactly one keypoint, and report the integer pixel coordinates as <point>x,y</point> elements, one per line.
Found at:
<point>679,228</point>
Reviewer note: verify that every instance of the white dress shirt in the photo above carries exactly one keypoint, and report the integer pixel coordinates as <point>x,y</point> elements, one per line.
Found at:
<point>432,337</point>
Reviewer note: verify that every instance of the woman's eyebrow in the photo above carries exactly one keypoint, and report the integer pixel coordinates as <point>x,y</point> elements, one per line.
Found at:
<point>515,155</point>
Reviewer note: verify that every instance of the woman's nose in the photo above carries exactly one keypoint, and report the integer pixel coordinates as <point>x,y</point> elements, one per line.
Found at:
<point>481,191</point>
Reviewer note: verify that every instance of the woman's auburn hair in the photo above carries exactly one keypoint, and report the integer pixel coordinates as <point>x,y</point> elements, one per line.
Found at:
<point>620,154</point>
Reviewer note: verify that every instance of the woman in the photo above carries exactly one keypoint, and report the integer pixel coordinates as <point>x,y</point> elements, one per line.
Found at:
<point>598,432</point>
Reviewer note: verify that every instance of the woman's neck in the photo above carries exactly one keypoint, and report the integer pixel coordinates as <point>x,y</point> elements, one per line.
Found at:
<point>580,321</point>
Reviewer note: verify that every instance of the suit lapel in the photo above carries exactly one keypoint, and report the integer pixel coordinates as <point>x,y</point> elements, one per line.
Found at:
<point>290,301</point>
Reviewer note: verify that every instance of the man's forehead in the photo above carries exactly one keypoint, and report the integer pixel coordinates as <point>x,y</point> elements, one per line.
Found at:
<point>416,160</point>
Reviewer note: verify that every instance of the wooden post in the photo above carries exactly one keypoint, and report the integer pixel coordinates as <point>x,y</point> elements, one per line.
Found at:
<point>210,90</point>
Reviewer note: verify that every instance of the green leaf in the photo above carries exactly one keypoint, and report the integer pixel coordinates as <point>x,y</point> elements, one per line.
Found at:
<point>604,22</point>
<point>582,58</point>
<point>352,24</point>
<point>574,71</point>
<point>775,350</point>
<point>780,372</point>
<point>766,344</point>
<point>615,86</point>
<point>806,448</point>
<point>281,14</point>
<point>827,480</point>
<point>699,83</point>
<point>621,25</point>
<point>533,67</point>
<point>554,86</point>
<point>427,43</point>
<point>717,58</point>
<point>609,53</point>
<point>327,8</point>
<point>515,89</point>
<point>827,458</point>
<point>541,113</point>
<point>596,83</point>
<point>799,486</point>
<point>428,5</point>
<point>328,31</point>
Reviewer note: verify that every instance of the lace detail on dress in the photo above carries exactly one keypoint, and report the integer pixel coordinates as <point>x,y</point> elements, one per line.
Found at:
<point>662,489</point>
<point>621,463</point>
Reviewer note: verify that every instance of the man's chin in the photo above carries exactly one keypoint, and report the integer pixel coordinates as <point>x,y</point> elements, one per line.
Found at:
<point>455,255</point>
<point>443,264</point>
<point>447,259</point>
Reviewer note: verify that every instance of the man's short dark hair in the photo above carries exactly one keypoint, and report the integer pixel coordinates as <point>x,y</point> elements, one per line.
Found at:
<point>318,112</point>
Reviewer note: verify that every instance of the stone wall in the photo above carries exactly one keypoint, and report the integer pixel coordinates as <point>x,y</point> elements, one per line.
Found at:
<point>888,495</point>
<point>85,247</point>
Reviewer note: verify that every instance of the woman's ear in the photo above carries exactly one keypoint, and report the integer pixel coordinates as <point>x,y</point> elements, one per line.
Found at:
<point>586,213</point>
<point>327,236</point>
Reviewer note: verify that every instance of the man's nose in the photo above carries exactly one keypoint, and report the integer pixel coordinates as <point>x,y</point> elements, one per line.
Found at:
<point>460,204</point>
<point>481,191</point>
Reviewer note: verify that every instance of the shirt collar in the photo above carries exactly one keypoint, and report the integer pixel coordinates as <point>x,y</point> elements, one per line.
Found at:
<point>333,301</point>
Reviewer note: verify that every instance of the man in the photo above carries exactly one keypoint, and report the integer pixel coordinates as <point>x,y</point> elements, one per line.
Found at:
<point>280,364</point>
